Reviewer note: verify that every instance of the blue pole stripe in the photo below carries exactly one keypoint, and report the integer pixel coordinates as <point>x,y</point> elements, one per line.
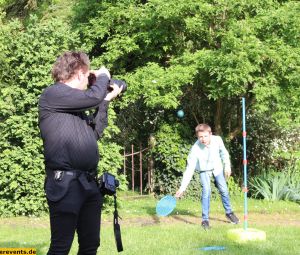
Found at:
<point>245,166</point>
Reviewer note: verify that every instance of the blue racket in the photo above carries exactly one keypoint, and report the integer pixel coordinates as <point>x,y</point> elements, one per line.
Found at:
<point>166,205</point>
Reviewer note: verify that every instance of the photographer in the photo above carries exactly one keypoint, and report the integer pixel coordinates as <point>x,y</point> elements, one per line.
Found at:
<point>71,151</point>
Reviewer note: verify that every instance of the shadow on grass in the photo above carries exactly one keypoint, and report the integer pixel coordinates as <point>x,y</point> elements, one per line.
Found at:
<point>177,215</point>
<point>185,220</point>
<point>220,220</point>
<point>151,211</point>
<point>184,216</point>
<point>40,248</point>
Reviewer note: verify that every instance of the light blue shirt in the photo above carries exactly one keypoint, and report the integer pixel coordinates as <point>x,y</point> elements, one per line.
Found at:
<point>213,157</point>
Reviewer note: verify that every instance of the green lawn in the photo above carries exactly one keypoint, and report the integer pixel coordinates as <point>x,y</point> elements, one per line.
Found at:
<point>145,233</point>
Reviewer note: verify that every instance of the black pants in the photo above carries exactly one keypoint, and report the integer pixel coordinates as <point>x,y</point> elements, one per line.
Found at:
<point>79,210</point>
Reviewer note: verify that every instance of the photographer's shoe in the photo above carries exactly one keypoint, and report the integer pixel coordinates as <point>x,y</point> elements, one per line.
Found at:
<point>232,218</point>
<point>205,224</point>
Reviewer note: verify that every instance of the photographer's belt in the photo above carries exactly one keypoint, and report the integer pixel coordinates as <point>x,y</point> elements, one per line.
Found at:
<point>84,177</point>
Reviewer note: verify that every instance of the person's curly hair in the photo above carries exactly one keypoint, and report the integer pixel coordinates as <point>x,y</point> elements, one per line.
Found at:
<point>68,64</point>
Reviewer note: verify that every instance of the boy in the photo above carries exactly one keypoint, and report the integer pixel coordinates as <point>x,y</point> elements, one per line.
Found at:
<point>209,155</point>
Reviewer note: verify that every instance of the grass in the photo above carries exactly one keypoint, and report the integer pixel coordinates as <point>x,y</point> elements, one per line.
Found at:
<point>179,238</point>
<point>180,233</point>
<point>145,206</point>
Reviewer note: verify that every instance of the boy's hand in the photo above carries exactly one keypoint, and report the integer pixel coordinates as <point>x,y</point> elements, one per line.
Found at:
<point>227,173</point>
<point>179,194</point>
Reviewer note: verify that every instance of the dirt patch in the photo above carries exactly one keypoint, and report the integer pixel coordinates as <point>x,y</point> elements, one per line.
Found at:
<point>257,219</point>
<point>253,219</point>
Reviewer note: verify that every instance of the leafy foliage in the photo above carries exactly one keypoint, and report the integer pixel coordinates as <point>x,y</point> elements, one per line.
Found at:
<point>26,57</point>
<point>198,56</point>
<point>233,187</point>
<point>203,56</point>
<point>170,157</point>
<point>111,158</point>
<point>274,186</point>
<point>17,8</point>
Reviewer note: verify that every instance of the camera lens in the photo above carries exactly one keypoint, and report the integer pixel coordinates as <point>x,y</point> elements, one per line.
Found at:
<point>119,83</point>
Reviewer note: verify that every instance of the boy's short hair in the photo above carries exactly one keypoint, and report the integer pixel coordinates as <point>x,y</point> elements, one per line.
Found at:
<point>202,128</point>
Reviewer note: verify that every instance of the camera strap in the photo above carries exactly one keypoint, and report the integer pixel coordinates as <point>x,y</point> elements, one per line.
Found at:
<point>117,229</point>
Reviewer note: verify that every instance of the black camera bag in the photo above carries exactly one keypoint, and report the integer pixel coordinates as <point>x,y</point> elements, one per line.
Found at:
<point>108,185</point>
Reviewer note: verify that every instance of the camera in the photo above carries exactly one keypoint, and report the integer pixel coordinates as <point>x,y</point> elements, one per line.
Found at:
<point>108,184</point>
<point>119,83</point>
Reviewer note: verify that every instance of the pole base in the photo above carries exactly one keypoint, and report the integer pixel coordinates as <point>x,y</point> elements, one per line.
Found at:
<point>241,235</point>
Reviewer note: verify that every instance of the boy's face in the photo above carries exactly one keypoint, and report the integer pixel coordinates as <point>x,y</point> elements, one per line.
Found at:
<point>204,137</point>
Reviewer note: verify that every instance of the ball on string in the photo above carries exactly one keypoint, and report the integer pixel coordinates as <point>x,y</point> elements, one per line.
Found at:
<point>180,113</point>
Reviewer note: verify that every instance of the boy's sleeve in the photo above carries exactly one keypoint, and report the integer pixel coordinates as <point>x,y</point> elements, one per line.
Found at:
<point>189,171</point>
<point>224,155</point>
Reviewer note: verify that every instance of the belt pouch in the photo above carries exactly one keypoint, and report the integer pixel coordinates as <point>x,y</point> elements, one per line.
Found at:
<point>84,181</point>
<point>56,189</point>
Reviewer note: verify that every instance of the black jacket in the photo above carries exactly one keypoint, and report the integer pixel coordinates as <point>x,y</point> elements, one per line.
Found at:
<point>70,134</point>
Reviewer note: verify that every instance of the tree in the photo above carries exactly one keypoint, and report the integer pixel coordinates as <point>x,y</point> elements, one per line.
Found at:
<point>17,8</point>
<point>203,56</point>
<point>199,56</point>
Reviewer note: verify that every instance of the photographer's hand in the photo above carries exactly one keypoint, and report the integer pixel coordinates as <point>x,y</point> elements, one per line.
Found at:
<point>102,71</point>
<point>116,90</point>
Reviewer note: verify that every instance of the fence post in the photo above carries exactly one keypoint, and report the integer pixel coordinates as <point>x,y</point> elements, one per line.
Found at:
<point>124,166</point>
<point>132,167</point>
<point>150,174</point>
<point>141,170</point>
<point>149,183</point>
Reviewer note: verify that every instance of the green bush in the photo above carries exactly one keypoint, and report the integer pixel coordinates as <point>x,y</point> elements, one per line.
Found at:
<point>111,159</point>
<point>26,59</point>
<point>194,189</point>
<point>170,153</point>
<point>274,186</point>
<point>27,55</point>
<point>233,187</point>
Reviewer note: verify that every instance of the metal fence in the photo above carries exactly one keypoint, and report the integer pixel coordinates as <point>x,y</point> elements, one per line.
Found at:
<point>137,169</point>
